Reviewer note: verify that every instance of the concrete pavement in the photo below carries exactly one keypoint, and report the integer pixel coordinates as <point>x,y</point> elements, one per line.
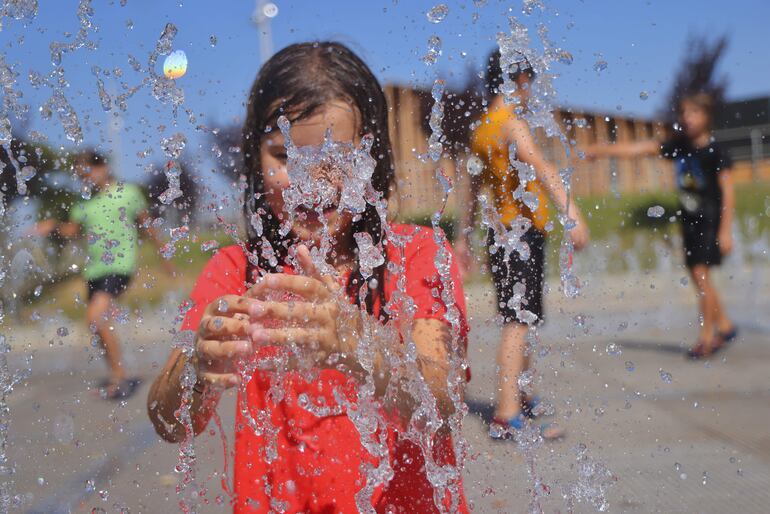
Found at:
<point>677,436</point>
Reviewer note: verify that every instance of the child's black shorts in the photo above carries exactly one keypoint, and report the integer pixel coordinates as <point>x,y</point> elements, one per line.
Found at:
<point>507,272</point>
<point>114,285</point>
<point>699,235</point>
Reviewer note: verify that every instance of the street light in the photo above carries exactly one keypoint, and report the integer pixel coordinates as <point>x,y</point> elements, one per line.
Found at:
<point>263,13</point>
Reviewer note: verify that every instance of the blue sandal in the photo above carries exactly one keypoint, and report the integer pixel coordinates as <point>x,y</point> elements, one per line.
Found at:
<point>501,430</point>
<point>529,407</point>
<point>729,336</point>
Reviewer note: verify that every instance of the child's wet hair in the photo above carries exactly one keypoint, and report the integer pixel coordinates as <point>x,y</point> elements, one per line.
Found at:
<point>493,73</point>
<point>296,82</point>
<point>90,158</point>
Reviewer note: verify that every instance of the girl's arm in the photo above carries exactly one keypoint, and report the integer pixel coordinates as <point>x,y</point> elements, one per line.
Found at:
<point>66,229</point>
<point>145,223</point>
<point>624,149</point>
<point>462,245</point>
<point>165,398</point>
<point>220,342</point>
<point>528,152</point>
<point>725,235</point>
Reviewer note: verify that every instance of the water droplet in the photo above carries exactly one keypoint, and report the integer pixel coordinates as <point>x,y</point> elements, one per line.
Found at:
<point>222,305</point>
<point>213,40</point>
<point>173,145</point>
<point>438,13</point>
<point>600,65</point>
<point>614,349</point>
<point>665,376</point>
<point>656,211</point>
<point>434,50</point>
<point>644,95</point>
<point>565,57</point>
<point>175,64</point>
<point>630,366</point>
<point>62,332</point>
<point>474,166</point>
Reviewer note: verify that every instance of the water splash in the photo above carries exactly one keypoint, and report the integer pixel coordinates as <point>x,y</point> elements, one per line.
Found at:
<point>85,13</point>
<point>438,13</point>
<point>435,147</point>
<point>434,50</point>
<point>18,10</point>
<point>185,341</point>
<point>594,480</point>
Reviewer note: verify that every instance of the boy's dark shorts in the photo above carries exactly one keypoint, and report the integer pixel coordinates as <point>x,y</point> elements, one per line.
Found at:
<point>699,235</point>
<point>114,285</point>
<point>506,273</point>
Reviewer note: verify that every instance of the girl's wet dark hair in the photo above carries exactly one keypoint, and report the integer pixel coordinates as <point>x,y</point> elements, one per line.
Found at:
<point>296,82</point>
<point>493,74</point>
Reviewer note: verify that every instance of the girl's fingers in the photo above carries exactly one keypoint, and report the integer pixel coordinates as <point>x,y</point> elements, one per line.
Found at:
<point>303,312</point>
<point>223,327</point>
<point>306,261</point>
<point>228,305</point>
<point>305,336</point>
<point>223,380</point>
<point>217,354</point>
<point>307,287</point>
<point>303,256</point>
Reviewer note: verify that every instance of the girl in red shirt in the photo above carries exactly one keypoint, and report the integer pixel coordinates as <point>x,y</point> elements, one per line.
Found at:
<point>350,368</point>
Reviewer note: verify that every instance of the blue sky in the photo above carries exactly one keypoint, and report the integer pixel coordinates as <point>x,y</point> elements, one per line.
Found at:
<point>641,40</point>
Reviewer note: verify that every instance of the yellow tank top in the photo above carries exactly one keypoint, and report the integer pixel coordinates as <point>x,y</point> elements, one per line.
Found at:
<point>489,144</point>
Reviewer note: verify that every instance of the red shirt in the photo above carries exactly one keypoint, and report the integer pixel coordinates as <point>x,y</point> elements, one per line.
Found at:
<point>315,462</point>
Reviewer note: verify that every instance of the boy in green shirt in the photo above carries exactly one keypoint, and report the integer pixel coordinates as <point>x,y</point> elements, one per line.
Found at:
<point>110,220</point>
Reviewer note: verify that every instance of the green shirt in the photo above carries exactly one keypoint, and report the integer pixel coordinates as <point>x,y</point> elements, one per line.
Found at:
<point>108,221</point>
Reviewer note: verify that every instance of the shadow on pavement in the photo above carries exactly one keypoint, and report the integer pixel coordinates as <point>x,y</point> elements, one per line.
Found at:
<point>483,410</point>
<point>653,346</point>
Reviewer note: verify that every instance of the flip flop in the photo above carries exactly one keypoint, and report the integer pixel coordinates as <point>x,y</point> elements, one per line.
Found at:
<point>729,336</point>
<point>501,430</point>
<point>529,407</point>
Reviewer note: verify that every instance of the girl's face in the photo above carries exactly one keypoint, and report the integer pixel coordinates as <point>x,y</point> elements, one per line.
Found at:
<point>342,119</point>
<point>695,120</point>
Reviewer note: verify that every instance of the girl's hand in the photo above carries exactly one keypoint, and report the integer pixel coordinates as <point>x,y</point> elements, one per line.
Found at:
<point>310,317</point>
<point>579,233</point>
<point>222,340</point>
<point>725,241</point>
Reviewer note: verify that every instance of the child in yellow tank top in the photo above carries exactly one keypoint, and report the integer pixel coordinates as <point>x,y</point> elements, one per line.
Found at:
<point>487,143</point>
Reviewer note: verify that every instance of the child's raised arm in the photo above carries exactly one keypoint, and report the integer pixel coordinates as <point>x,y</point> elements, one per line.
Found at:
<point>628,149</point>
<point>66,229</point>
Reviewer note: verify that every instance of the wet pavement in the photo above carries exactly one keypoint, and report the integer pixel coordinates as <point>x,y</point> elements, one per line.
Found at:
<point>677,435</point>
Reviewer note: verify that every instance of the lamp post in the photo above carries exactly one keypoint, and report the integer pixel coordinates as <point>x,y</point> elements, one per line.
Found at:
<point>263,13</point>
